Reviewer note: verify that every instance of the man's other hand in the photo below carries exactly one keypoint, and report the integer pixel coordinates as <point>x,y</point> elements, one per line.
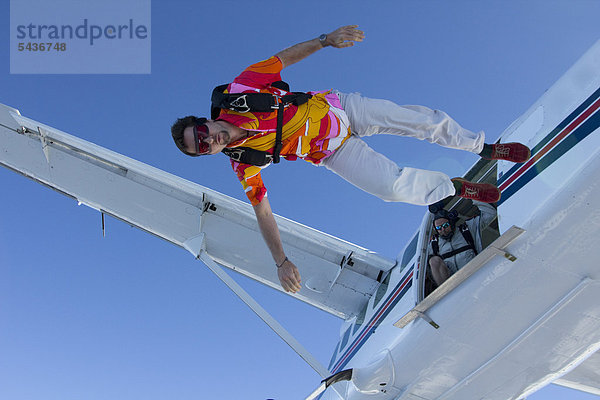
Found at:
<point>344,36</point>
<point>289,277</point>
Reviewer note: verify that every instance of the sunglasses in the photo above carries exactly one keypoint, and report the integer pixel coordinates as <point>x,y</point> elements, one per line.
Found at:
<point>442,226</point>
<point>201,133</point>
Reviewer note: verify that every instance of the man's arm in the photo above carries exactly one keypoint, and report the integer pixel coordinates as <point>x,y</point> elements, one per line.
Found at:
<point>287,272</point>
<point>340,38</point>
<point>488,213</point>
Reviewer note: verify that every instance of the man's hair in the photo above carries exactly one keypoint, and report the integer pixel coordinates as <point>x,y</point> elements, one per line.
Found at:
<point>177,131</point>
<point>451,216</point>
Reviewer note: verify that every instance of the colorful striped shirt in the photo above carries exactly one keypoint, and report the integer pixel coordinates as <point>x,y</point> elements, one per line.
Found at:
<point>311,131</point>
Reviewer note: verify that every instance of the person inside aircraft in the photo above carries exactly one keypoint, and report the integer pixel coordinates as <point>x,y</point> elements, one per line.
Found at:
<point>452,246</point>
<point>326,128</point>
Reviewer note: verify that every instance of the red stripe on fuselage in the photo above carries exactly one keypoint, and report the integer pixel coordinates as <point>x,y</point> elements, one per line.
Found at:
<point>570,128</point>
<point>373,321</point>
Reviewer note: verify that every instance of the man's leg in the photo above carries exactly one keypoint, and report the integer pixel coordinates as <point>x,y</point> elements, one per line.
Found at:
<point>374,173</point>
<point>374,116</point>
<point>439,270</point>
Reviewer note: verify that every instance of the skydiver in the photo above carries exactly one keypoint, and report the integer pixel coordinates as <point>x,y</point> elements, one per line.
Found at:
<point>327,129</point>
<point>451,246</point>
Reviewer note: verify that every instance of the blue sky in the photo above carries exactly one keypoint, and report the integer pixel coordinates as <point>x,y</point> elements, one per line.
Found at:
<point>130,316</point>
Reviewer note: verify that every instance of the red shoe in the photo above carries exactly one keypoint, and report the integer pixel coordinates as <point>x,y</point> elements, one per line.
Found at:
<point>484,192</point>
<point>515,152</point>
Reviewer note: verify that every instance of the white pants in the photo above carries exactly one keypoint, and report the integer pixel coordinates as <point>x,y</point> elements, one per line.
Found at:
<point>374,173</point>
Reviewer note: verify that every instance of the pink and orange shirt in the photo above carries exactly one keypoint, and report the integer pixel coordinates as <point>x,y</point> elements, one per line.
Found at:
<point>311,131</point>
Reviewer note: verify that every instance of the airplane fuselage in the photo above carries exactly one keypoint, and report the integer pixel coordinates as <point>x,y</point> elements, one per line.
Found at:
<point>510,327</point>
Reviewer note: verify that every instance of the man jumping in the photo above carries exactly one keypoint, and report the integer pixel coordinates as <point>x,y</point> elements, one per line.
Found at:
<point>326,128</point>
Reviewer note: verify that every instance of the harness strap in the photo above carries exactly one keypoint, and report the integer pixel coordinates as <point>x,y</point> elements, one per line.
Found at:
<point>278,135</point>
<point>435,246</point>
<point>464,229</point>
<point>252,102</point>
<point>455,252</point>
<point>255,102</point>
<point>247,155</point>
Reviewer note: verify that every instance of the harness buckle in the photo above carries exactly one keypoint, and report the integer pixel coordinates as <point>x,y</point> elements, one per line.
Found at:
<point>235,154</point>
<point>240,104</point>
<point>276,99</point>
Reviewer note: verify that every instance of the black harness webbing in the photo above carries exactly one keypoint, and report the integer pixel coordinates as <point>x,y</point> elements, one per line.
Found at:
<point>256,102</point>
<point>457,251</point>
<point>278,134</point>
<point>247,155</point>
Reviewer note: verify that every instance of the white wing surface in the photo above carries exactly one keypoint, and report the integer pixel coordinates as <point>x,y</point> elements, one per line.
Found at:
<point>339,277</point>
<point>585,377</point>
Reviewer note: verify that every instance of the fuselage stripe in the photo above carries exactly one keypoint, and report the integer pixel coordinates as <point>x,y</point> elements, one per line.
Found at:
<point>550,145</point>
<point>398,293</point>
<point>578,125</point>
<point>578,111</point>
<point>565,145</point>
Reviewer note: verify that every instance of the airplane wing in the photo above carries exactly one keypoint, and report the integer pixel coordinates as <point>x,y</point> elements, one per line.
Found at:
<point>339,277</point>
<point>585,377</point>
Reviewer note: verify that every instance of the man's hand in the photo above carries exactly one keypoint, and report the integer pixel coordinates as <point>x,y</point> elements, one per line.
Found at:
<point>344,36</point>
<point>341,37</point>
<point>289,277</point>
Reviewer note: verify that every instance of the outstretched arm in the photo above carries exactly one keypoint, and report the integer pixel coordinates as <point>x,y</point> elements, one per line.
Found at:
<point>344,36</point>
<point>488,213</point>
<point>287,272</point>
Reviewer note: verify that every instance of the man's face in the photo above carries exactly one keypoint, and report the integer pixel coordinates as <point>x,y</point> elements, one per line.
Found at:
<point>213,139</point>
<point>443,227</point>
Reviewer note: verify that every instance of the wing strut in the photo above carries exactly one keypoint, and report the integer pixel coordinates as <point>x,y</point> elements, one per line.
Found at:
<point>261,312</point>
<point>344,375</point>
